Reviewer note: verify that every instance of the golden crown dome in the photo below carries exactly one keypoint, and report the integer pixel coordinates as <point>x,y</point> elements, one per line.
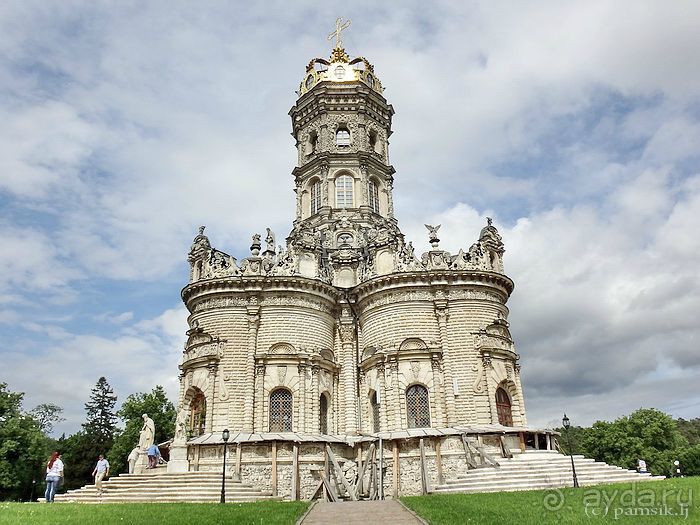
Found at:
<point>339,68</point>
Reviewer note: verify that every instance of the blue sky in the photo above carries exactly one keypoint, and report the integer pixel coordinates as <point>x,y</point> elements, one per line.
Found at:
<point>575,125</point>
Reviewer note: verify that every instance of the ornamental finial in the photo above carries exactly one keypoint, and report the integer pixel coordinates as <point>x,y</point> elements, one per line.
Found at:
<point>339,27</point>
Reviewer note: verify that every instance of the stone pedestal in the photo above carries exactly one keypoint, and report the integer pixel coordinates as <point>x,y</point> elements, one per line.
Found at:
<point>178,459</point>
<point>141,463</point>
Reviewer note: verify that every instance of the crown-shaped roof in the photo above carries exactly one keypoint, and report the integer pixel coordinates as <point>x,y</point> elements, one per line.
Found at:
<point>339,69</point>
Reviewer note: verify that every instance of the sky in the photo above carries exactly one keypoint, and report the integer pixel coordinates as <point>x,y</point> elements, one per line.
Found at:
<point>575,125</point>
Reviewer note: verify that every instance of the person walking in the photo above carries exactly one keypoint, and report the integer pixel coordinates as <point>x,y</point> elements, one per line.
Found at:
<point>54,473</point>
<point>153,455</point>
<point>100,472</point>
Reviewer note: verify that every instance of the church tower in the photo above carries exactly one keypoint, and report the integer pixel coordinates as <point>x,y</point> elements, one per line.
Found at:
<point>343,178</point>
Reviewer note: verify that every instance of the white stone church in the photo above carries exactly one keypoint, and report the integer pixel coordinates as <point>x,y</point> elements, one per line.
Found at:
<point>341,330</point>
<point>342,364</point>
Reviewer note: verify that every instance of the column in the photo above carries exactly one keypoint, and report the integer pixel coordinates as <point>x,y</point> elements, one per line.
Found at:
<point>211,398</point>
<point>259,423</point>
<point>438,391</point>
<point>442,314</point>
<point>297,190</point>
<point>490,387</point>
<point>302,397</point>
<point>316,396</point>
<point>253,311</point>
<point>383,405</point>
<point>395,398</point>
<point>346,328</point>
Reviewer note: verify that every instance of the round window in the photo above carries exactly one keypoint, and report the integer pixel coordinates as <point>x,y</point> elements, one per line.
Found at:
<point>339,72</point>
<point>309,81</point>
<point>370,81</point>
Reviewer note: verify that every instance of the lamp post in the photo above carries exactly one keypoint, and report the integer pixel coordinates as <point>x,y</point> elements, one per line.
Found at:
<point>567,424</point>
<point>224,436</point>
<point>677,465</point>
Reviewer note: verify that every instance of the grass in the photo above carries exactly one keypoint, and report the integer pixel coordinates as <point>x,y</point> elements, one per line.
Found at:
<point>262,512</point>
<point>663,501</point>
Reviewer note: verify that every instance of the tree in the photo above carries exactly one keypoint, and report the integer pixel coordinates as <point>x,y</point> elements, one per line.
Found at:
<point>157,406</point>
<point>46,414</point>
<point>646,434</point>
<point>96,437</point>
<point>23,447</point>
<point>101,422</point>
<point>690,429</point>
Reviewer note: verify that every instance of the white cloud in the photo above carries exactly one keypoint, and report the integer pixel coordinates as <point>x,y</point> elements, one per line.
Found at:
<point>574,126</point>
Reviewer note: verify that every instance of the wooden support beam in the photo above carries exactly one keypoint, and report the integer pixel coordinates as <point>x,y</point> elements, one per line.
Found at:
<point>486,459</point>
<point>239,453</point>
<point>295,472</point>
<point>274,468</point>
<point>331,494</point>
<point>359,488</point>
<point>339,474</point>
<point>373,476</point>
<point>423,469</point>
<point>438,460</point>
<point>469,456</point>
<point>380,471</point>
<point>397,466</point>
<point>504,448</point>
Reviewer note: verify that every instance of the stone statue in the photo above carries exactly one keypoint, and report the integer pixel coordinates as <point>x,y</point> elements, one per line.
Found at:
<point>132,458</point>
<point>148,433</point>
<point>432,231</point>
<point>270,240</point>
<point>181,426</point>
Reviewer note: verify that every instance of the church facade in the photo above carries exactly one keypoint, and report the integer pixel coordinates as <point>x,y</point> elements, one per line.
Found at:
<point>341,335</point>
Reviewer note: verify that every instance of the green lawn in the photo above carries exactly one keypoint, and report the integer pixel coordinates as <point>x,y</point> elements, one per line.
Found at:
<point>624,503</point>
<point>263,512</point>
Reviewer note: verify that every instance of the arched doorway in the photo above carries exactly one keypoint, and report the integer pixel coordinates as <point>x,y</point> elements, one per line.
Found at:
<point>503,408</point>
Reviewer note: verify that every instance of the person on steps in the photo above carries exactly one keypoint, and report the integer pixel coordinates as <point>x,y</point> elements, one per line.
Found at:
<point>100,472</point>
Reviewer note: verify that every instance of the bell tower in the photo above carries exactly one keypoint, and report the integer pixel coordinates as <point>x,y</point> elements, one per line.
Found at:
<point>342,123</point>
<point>343,179</point>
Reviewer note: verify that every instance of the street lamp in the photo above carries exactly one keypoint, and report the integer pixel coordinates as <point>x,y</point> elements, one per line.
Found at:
<point>224,435</point>
<point>567,424</point>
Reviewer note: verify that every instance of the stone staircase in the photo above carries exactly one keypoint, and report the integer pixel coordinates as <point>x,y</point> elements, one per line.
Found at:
<point>193,487</point>
<point>539,470</point>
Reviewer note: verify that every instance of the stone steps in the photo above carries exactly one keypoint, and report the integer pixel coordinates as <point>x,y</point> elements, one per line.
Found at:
<point>193,487</point>
<point>539,470</point>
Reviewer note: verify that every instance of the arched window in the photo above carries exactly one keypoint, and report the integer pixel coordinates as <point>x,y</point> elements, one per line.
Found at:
<point>373,196</point>
<point>343,191</point>
<point>505,414</point>
<point>281,410</point>
<point>198,414</point>
<point>417,406</point>
<point>323,414</point>
<point>315,197</point>
<point>342,137</point>
<point>374,402</point>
